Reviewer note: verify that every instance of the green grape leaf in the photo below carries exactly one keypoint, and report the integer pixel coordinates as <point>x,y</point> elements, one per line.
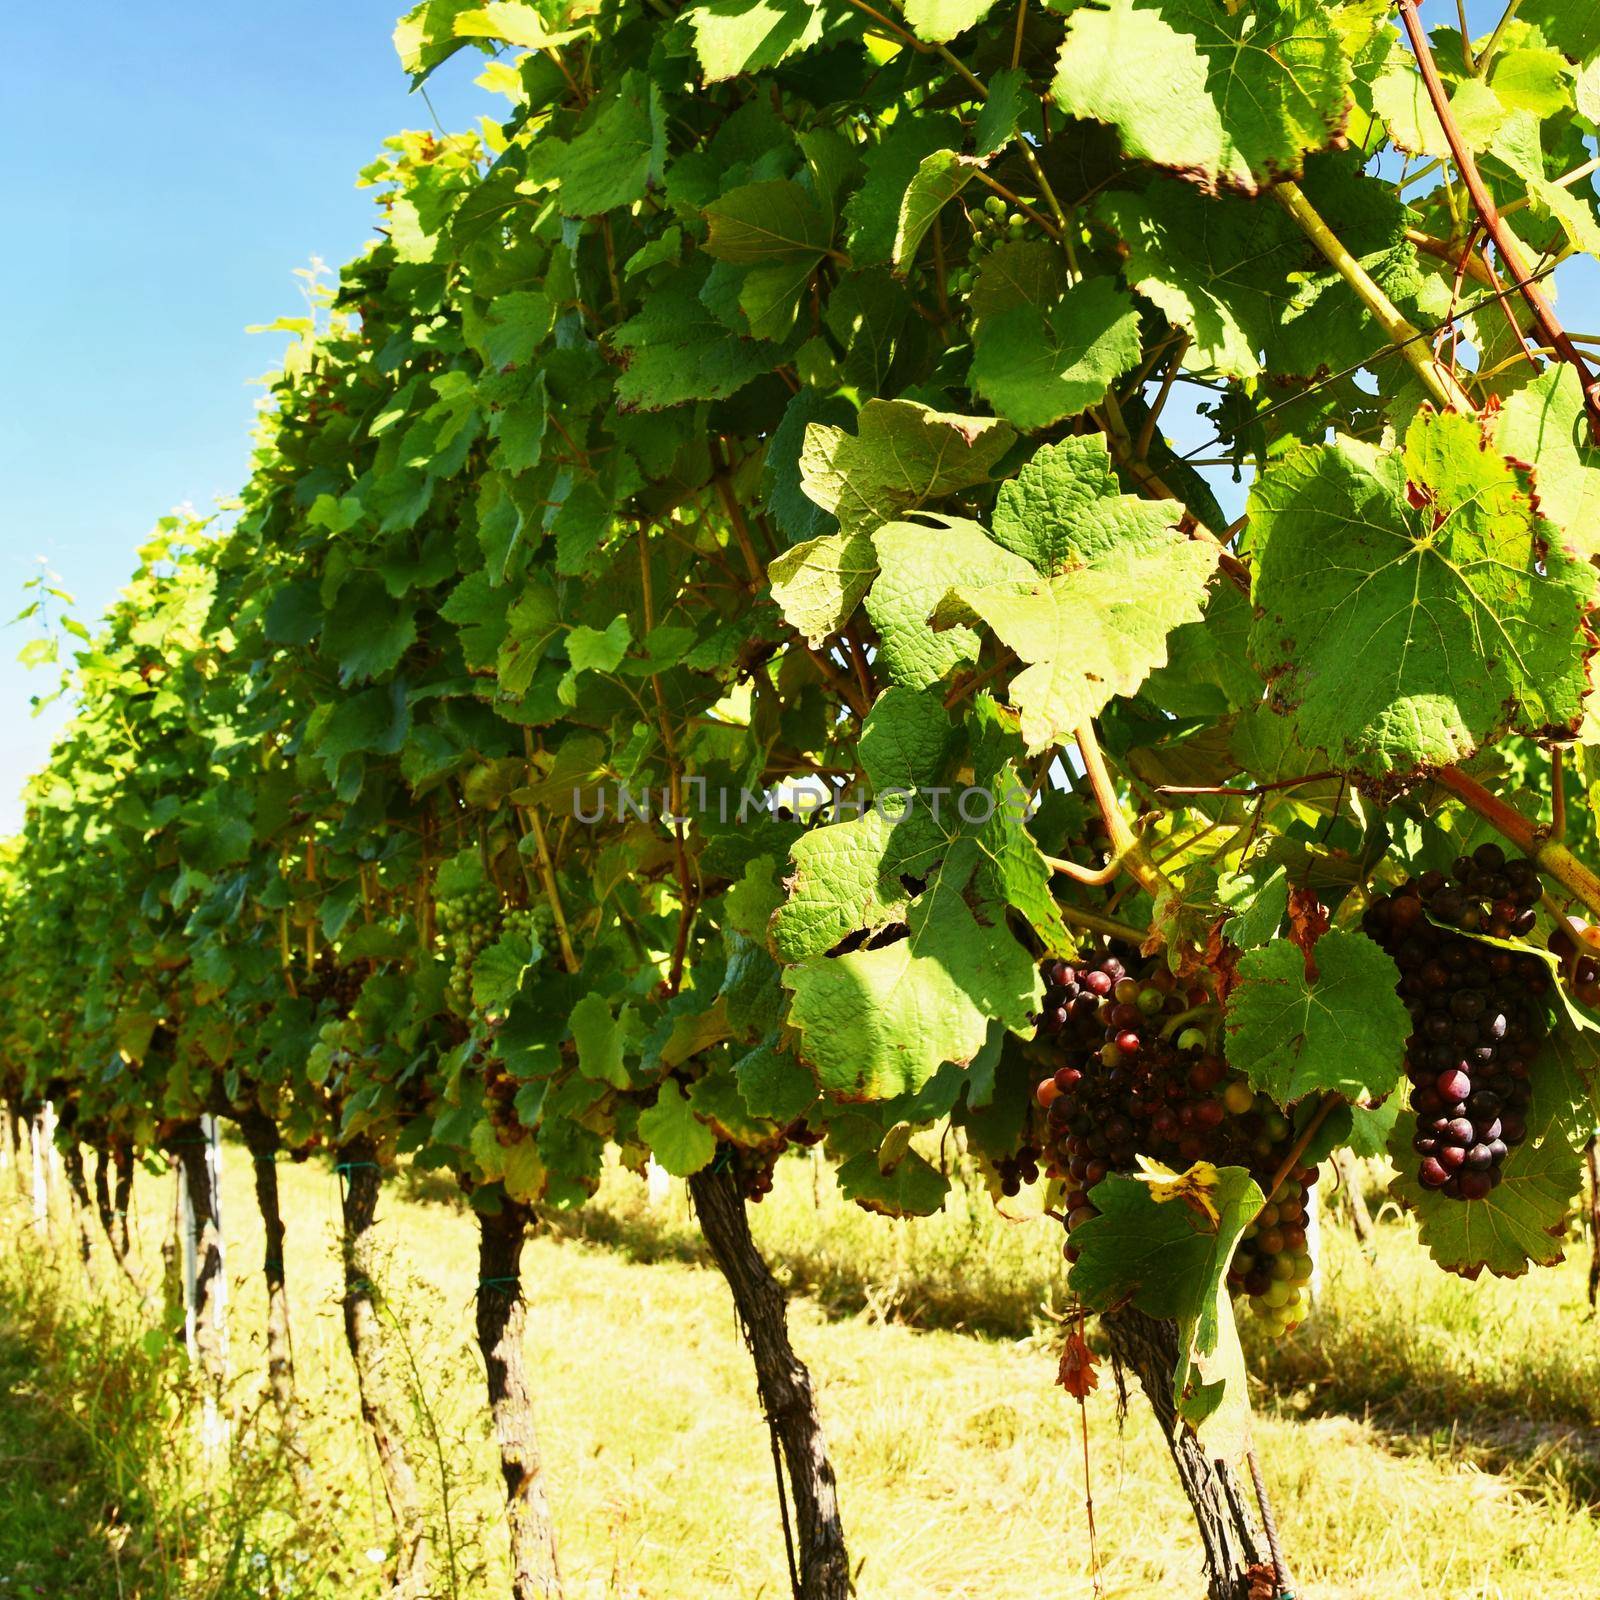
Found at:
<point>1233,100</point>
<point>819,583</point>
<point>774,1084</point>
<point>1543,425</point>
<point>675,350</point>
<point>619,147</point>
<point>878,1022</point>
<point>1038,366</point>
<point>1113,578</point>
<point>1002,111</point>
<point>602,1039</point>
<point>532,625</point>
<point>938,21</point>
<point>1245,283</point>
<point>910,1188</point>
<point>918,563</point>
<point>718,1103</point>
<point>733,37</point>
<point>1341,1028</point>
<point>498,971</point>
<point>1522,1221</point>
<point>1410,605</point>
<point>939,178</point>
<point>759,224</point>
<point>1170,1257</point>
<point>902,455</point>
<point>679,1140</point>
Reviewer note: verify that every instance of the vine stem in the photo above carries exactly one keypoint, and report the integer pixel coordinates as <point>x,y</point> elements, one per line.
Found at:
<point>1437,379</point>
<point>1126,850</point>
<point>1093,922</point>
<point>1330,1102</point>
<point>1483,203</point>
<point>1549,854</point>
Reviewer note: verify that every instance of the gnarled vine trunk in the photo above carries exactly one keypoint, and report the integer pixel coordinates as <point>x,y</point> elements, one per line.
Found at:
<point>82,1206</point>
<point>821,1562</point>
<point>502,1320</point>
<point>190,1146</point>
<point>383,1404</point>
<point>1236,1559</point>
<point>261,1139</point>
<point>122,1193</point>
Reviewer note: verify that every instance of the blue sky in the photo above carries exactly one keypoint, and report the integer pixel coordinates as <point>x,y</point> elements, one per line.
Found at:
<point>176,163</point>
<point>179,162</point>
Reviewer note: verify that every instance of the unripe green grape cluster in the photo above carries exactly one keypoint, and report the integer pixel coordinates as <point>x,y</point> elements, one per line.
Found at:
<point>992,223</point>
<point>467,924</point>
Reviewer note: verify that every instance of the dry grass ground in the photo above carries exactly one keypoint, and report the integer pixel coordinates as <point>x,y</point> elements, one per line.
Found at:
<point>961,1466</point>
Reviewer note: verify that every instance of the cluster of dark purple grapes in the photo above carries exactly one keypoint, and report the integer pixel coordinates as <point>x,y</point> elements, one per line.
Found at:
<point>1484,893</point>
<point>1134,1080</point>
<point>1477,1014</point>
<point>1015,1171</point>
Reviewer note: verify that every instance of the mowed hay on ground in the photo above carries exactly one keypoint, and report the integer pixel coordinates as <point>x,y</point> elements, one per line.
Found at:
<point>960,1463</point>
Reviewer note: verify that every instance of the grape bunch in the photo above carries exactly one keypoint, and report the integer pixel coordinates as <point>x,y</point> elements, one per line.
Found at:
<point>1477,1013</point>
<point>467,925</point>
<point>992,223</point>
<point>1017,1170</point>
<point>541,924</point>
<point>1137,1077</point>
<point>1577,947</point>
<point>756,1166</point>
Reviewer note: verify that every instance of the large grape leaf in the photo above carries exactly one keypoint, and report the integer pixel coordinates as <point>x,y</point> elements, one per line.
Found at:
<point>918,563</point>
<point>674,349</point>
<point>1166,1247</point>
<point>1543,425</point>
<point>680,1141</point>
<point>1038,365</point>
<point>1411,606</point>
<point>901,455</point>
<point>732,37</point>
<point>1520,1223</point>
<point>895,930</point>
<point>1253,293</point>
<point>1230,99</point>
<point>878,1022</point>
<point>1112,577</point>
<point>939,20</point>
<point>620,146</point>
<point>1343,1028</point>
<point>940,177</point>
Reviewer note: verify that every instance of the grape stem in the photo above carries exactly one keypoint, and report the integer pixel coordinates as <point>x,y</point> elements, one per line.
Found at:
<point>1549,854</point>
<point>1483,203</point>
<point>1330,1102</point>
<point>1126,850</point>
<point>1093,922</point>
<point>1172,1024</point>
<point>1437,379</point>
<point>1558,797</point>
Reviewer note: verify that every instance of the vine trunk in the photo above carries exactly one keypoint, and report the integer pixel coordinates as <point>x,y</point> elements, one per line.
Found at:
<point>189,1145</point>
<point>383,1404</point>
<point>1237,1564</point>
<point>502,1321</point>
<point>261,1139</point>
<point>820,1563</point>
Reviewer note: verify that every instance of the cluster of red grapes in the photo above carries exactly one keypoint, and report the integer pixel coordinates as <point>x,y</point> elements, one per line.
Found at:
<point>1135,1078</point>
<point>1477,1014</point>
<point>755,1167</point>
<point>1016,1171</point>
